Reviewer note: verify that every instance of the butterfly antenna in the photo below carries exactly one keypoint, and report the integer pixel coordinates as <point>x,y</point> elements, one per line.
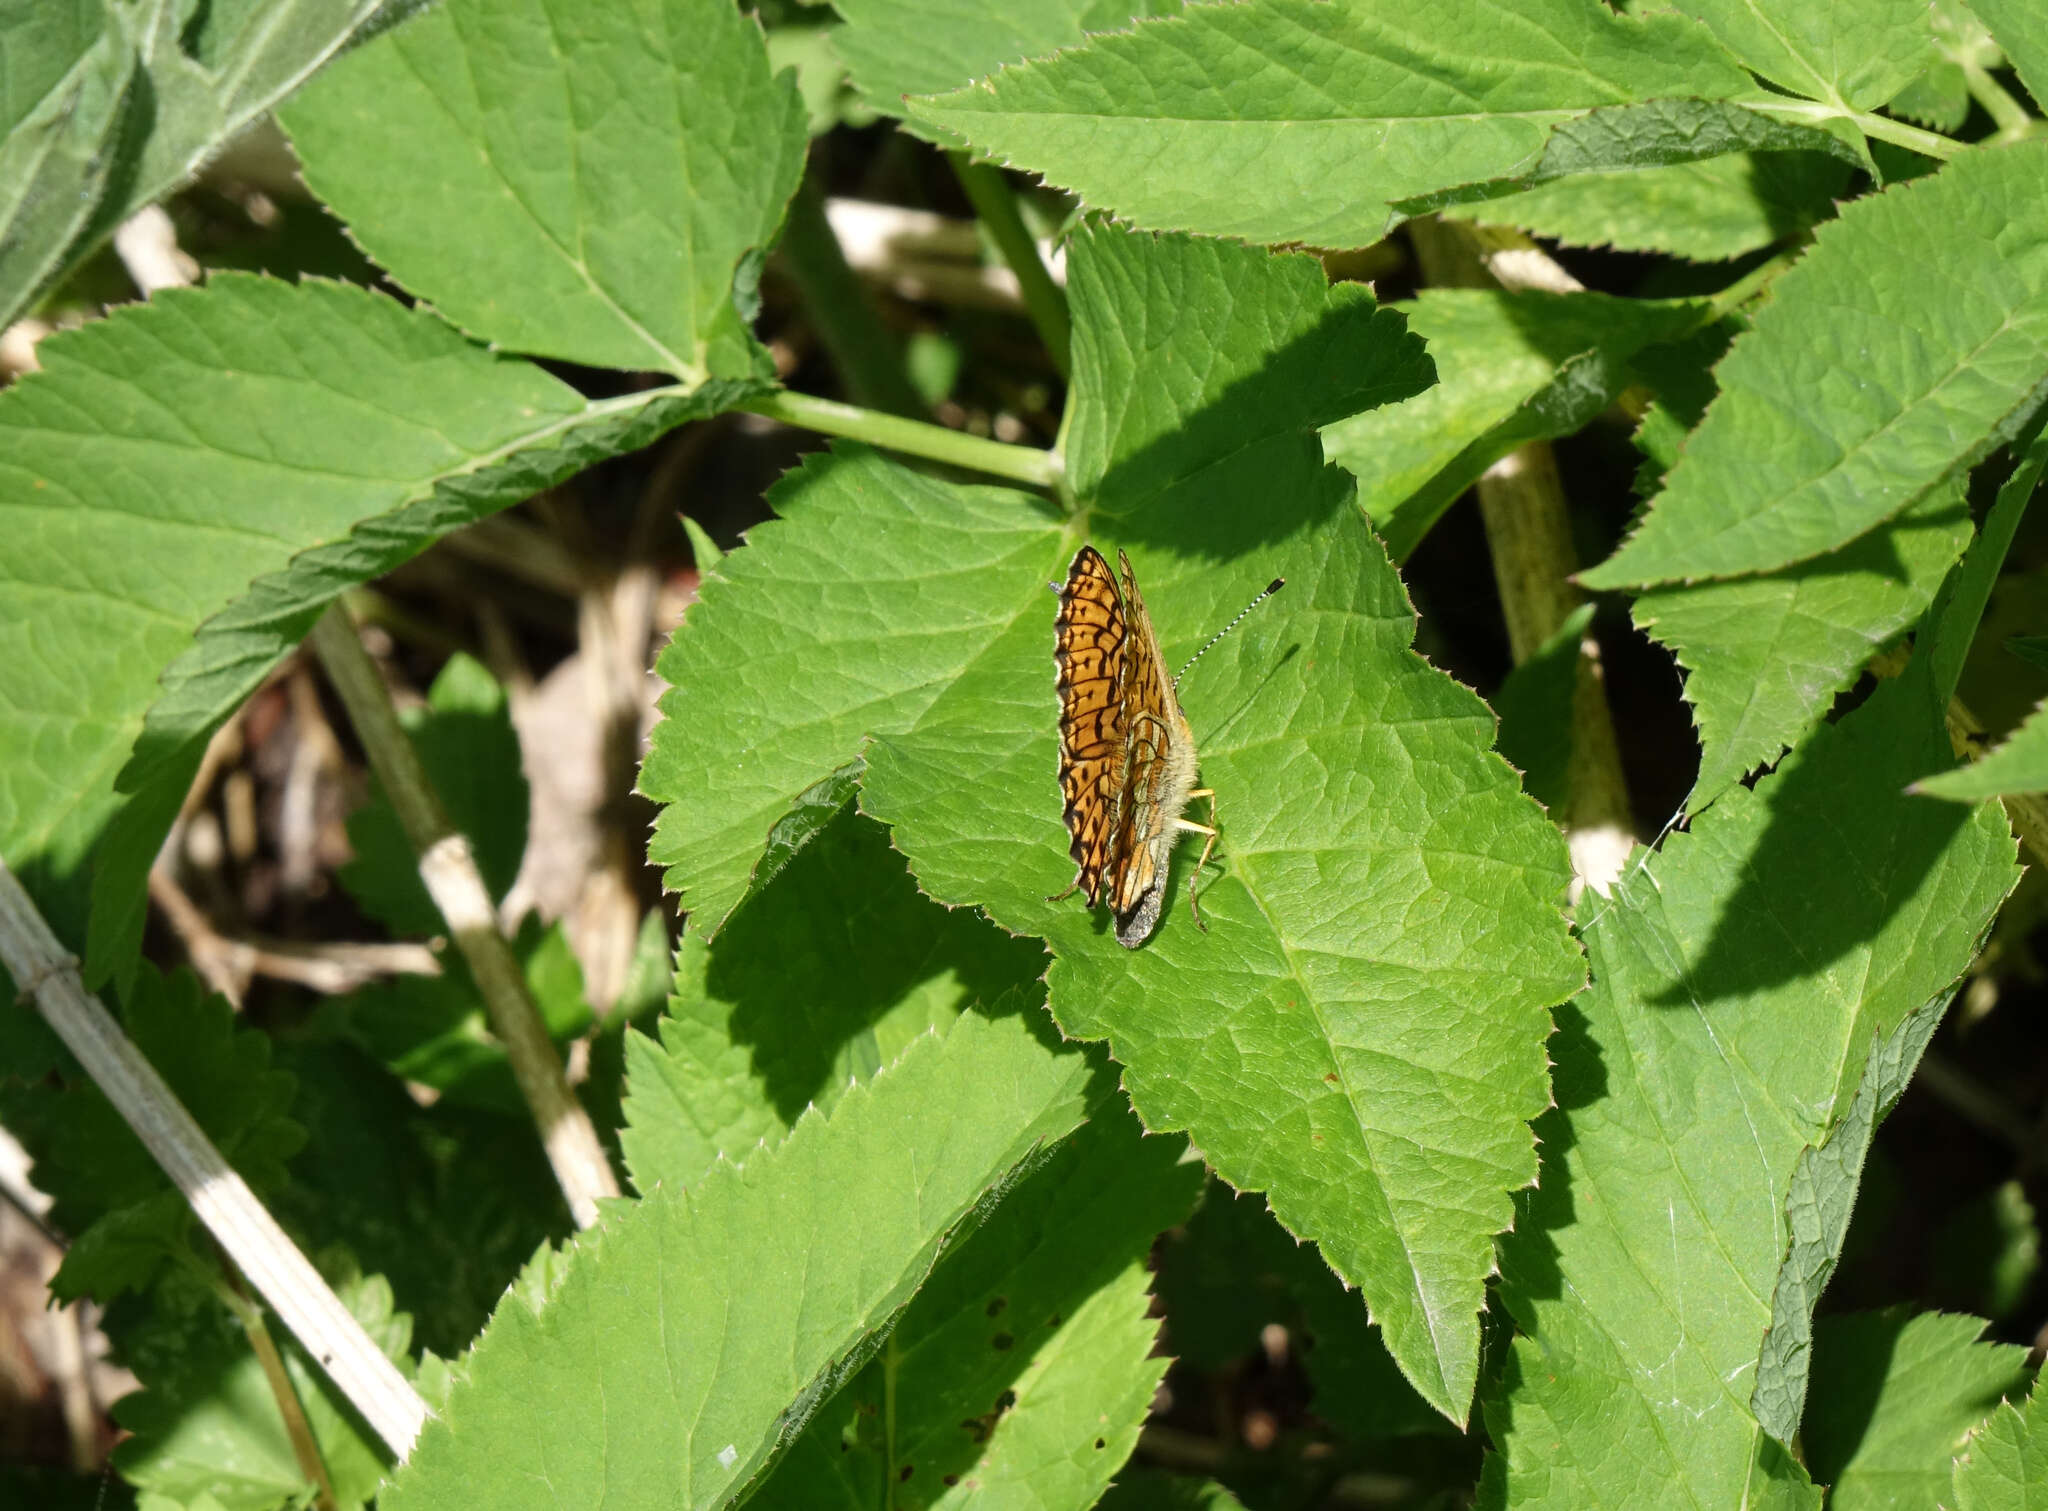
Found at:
<point>1271,588</point>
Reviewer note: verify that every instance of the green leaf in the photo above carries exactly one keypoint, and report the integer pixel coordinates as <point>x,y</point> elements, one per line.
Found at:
<point>64,101</point>
<point>812,52</point>
<point>1511,367</point>
<point>1939,98</point>
<point>2022,33</point>
<point>1681,375</point>
<point>1854,54</point>
<point>207,1424</point>
<point>1958,612</point>
<point>845,618</point>
<point>304,438</point>
<point>693,1334</point>
<point>1384,940</point>
<point>1021,1373</point>
<point>810,811</point>
<point>433,1029</point>
<point>1231,119</point>
<point>704,552</point>
<point>824,976</point>
<point>446,1202</point>
<point>1895,1398</point>
<point>1705,211</point>
<point>465,741</point>
<point>1817,1209</point>
<point>2003,1467</point>
<point>1282,353</point>
<point>914,612</point>
<point>108,108</point>
<point>1690,1079</point>
<point>610,166</point>
<point>2019,765</point>
<point>110,1193</point>
<point>1863,387</point>
<point>1766,656</point>
<point>1656,134</point>
<point>1535,704</point>
<point>895,48</point>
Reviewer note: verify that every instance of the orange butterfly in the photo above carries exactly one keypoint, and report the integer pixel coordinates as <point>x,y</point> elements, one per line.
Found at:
<point>1127,756</point>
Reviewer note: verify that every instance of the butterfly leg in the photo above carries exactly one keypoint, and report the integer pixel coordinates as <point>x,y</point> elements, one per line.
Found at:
<point>1208,848</point>
<point>1063,896</point>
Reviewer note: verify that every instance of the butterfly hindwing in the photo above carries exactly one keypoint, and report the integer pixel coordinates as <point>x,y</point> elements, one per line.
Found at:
<point>1159,762</point>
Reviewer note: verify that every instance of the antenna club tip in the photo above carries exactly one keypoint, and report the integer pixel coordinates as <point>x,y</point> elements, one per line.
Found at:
<point>1276,585</point>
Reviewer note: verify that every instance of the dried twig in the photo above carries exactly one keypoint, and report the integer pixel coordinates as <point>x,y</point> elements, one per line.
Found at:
<point>219,1197</point>
<point>228,964</point>
<point>449,871</point>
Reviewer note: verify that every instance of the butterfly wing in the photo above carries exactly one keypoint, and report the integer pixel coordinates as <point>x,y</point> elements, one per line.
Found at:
<point>1090,641</point>
<point>1159,772</point>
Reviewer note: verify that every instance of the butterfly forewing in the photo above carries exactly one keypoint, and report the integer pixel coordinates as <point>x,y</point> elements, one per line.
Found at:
<point>1091,637</point>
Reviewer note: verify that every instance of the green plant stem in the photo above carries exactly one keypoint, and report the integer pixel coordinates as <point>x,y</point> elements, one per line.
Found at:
<point>1884,128</point>
<point>1020,464</point>
<point>864,350</point>
<point>989,192</point>
<point>449,871</point>
<point>2009,114</point>
<point>297,1430</point>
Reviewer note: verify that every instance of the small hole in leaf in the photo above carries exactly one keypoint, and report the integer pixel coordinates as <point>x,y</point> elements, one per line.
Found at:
<point>1099,1443</point>
<point>908,1471</point>
<point>1002,1342</point>
<point>949,1479</point>
<point>995,1307</point>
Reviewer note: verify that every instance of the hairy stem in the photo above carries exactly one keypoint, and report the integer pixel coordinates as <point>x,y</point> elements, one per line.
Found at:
<point>1528,531</point>
<point>989,192</point>
<point>2009,114</point>
<point>1019,464</point>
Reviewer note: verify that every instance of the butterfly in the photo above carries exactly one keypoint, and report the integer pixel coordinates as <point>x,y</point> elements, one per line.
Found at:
<point>1127,764</point>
